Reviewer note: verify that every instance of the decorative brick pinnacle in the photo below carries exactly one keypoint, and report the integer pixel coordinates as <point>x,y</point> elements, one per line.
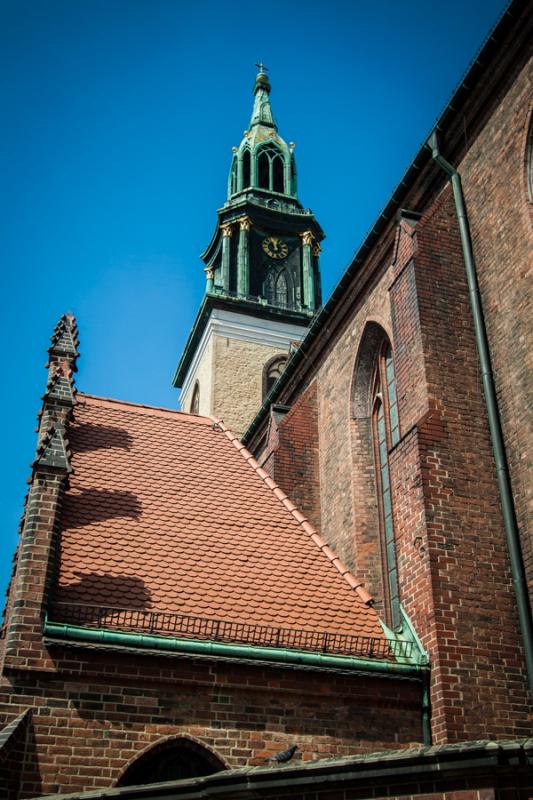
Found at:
<point>52,451</point>
<point>60,389</point>
<point>65,337</point>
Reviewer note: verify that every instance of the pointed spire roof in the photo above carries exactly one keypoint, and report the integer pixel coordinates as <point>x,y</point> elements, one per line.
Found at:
<point>262,112</point>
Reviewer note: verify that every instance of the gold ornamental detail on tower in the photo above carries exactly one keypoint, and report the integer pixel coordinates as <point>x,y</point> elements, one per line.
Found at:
<point>245,223</point>
<point>307,238</point>
<point>316,249</point>
<point>226,229</point>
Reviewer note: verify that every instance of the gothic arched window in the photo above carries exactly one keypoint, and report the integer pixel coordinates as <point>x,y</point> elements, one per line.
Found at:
<point>282,291</point>
<point>269,287</point>
<point>270,168</point>
<point>385,434</point>
<point>272,371</point>
<point>263,171</point>
<point>233,177</point>
<point>276,288</point>
<point>195,401</point>
<point>277,174</point>
<point>246,171</point>
<point>375,430</point>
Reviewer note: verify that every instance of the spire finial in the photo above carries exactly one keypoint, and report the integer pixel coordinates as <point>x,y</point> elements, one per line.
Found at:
<point>262,113</point>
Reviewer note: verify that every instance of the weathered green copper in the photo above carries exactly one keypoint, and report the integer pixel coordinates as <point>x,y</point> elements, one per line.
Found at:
<point>262,112</point>
<point>262,204</point>
<point>218,649</point>
<point>262,134</point>
<point>309,290</point>
<point>243,265</point>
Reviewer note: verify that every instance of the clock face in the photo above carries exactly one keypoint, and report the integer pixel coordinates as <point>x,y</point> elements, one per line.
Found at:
<point>275,247</point>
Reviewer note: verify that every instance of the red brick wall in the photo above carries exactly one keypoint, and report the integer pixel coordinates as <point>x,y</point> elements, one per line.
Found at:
<point>454,574</point>
<point>294,463</point>
<point>347,496</point>
<point>15,746</point>
<point>501,220</point>
<point>29,588</point>
<point>99,712</point>
<point>479,674</point>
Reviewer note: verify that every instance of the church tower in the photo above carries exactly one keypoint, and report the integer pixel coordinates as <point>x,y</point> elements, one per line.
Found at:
<point>263,278</point>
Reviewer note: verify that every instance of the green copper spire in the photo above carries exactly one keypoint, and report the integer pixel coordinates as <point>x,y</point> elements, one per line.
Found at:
<point>262,112</point>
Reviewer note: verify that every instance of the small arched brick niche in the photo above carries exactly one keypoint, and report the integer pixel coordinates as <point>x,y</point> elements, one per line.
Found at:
<point>174,759</point>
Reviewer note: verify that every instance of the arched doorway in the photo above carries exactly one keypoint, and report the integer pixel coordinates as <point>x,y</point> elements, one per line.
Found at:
<point>174,759</point>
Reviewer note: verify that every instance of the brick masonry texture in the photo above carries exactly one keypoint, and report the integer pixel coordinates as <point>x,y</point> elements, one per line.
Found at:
<point>291,456</point>
<point>501,219</point>
<point>96,712</point>
<point>454,575</point>
<point>238,380</point>
<point>454,572</point>
<point>487,772</point>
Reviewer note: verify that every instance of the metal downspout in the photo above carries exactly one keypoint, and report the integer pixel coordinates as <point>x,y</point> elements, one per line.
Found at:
<point>496,435</point>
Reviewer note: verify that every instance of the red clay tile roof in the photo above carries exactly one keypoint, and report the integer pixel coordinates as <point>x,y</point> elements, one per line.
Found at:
<point>163,512</point>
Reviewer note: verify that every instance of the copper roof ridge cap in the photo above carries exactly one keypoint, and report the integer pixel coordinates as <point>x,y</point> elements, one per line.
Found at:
<point>129,405</point>
<point>309,530</point>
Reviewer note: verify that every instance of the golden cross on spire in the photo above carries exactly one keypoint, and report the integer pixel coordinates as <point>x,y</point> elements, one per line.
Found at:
<point>262,67</point>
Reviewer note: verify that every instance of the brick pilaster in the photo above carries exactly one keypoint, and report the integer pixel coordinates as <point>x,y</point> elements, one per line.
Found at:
<point>36,554</point>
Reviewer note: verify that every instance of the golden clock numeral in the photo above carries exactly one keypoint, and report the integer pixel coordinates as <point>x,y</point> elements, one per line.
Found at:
<point>275,247</point>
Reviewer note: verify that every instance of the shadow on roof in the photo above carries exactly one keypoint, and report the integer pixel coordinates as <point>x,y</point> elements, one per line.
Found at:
<point>88,436</point>
<point>97,505</point>
<point>96,589</point>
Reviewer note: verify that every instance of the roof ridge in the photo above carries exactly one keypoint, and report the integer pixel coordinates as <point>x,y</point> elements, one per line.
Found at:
<point>300,518</point>
<point>129,405</point>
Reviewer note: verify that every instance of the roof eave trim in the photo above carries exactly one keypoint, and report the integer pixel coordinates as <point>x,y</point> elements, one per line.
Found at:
<point>58,630</point>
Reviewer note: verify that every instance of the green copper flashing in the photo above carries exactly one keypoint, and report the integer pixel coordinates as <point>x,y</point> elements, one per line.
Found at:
<point>59,630</point>
<point>407,633</point>
<point>262,112</point>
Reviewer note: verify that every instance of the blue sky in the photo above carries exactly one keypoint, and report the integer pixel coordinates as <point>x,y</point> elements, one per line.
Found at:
<point>118,122</point>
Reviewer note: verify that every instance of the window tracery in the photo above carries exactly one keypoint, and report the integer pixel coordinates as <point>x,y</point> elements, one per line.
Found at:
<point>276,288</point>
<point>270,168</point>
